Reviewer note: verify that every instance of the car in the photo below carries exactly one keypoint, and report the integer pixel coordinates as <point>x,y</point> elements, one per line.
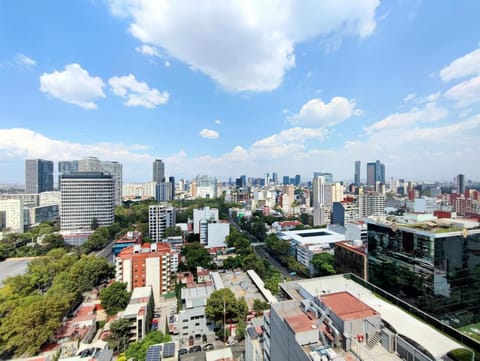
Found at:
<point>196,348</point>
<point>182,351</point>
<point>208,346</point>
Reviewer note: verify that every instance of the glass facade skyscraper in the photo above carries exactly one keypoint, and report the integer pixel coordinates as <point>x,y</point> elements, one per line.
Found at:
<point>434,268</point>
<point>38,176</point>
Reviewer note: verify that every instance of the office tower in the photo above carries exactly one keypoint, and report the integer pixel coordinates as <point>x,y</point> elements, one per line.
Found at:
<point>90,164</point>
<point>158,171</point>
<point>286,180</point>
<point>461,184</point>
<point>206,187</point>
<point>267,179</point>
<point>356,179</point>
<point>11,215</point>
<point>146,265</point>
<point>322,191</point>
<point>337,192</point>
<point>93,164</point>
<point>66,167</point>
<point>328,176</point>
<point>171,180</point>
<point>115,169</point>
<point>275,177</point>
<point>85,196</point>
<point>160,217</point>
<point>432,263</point>
<point>38,175</point>
<point>243,181</point>
<point>297,180</point>
<point>375,173</point>
<point>163,192</point>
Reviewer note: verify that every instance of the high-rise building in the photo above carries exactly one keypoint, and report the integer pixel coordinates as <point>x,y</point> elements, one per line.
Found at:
<point>286,180</point>
<point>160,217</point>
<point>275,177</point>
<point>146,265</point>
<point>38,176</point>
<point>432,263</point>
<point>158,171</point>
<point>93,164</point>
<point>163,192</point>
<point>85,196</point>
<point>297,179</point>
<point>375,173</point>
<point>461,184</point>
<point>356,179</point>
<point>206,187</point>
<point>371,204</point>
<point>328,176</point>
<point>322,191</point>
<point>66,167</point>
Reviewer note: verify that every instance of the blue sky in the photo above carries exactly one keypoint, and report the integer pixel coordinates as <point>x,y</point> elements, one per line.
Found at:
<point>242,87</point>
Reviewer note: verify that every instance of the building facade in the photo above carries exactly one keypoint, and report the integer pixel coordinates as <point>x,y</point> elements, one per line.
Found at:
<point>12,214</point>
<point>85,196</point>
<point>160,217</point>
<point>38,176</point>
<point>434,265</point>
<point>158,171</point>
<point>146,265</point>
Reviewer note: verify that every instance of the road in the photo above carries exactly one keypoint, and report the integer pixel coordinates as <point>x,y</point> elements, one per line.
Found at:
<point>107,253</point>
<point>13,267</point>
<point>260,250</point>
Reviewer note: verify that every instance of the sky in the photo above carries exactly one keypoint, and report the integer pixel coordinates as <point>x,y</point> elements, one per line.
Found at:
<point>226,88</point>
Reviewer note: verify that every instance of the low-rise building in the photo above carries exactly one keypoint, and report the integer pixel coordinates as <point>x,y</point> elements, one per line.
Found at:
<point>139,311</point>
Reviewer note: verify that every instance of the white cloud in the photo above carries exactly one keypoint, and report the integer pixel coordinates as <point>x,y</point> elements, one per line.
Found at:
<point>25,143</point>
<point>466,65</point>
<point>148,50</point>
<point>167,64</point>
<point>25,60</point>
<point>242,45</point>
<point>465,93</point>
<point>218,121</point>
<point>138,94</point>
<point>73,85</point>
<point>409,97</point>
<point>318,114</point>
<point>208,133</point>
<point>430,113</point>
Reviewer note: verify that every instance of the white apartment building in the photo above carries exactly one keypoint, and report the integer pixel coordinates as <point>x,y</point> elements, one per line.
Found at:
<point>11,211</point>
<point>322,191</point>
<point>160,217</point>
<point>84,196</point>
<point>371,204</point>
<point>207,213</point>
<point>53,198</point>
<point>139,190</point>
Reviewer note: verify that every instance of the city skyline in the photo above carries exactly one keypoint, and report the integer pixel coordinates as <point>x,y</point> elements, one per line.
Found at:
<point>251,92</point>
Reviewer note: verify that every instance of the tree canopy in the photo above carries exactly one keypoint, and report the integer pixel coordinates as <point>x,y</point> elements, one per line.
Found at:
<point>324,263</point>
<point>195,255</point>
<point>115,298</point>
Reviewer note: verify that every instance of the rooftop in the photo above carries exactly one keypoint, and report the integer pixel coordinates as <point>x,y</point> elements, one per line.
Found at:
<point>300,323</point>
<point>312,236</point>
<point>346,306</point>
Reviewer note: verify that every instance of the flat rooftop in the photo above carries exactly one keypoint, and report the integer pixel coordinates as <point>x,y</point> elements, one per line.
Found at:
<point>312,236</point>
<point>346,306</point>
<point>404,323</point>
<point>300,322</point>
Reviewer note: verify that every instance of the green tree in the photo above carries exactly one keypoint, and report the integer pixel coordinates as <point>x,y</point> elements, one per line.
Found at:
<point>138,350</point>
<point>119,334</point>
<point>94,224</point>
<point>195,255</point>
<point>115,298</point>
<point>324,263</point>
<point>219,302</point>
<point>172,232</point>
<point>259,306</point>
<point>272,282</point>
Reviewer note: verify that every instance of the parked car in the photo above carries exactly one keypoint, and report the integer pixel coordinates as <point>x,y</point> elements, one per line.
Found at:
<point>182,351</point>
<point>196,348</point>
<point>208,346</point>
